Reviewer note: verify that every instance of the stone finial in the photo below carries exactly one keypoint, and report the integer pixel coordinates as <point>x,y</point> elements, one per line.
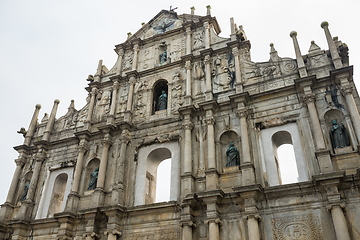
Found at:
<point>37,106</point>
<point>314,48</point>
<point>129,34</point>
<point>208,12</point>
<point>273,53</point>
<point>232,26</point>
<point>192,10</point>
<point>324,24</point>
<point>143,23</point>
<point>45,118</point>
<point>72,104</point>
<point>293,34</point>
<point>57,101</point>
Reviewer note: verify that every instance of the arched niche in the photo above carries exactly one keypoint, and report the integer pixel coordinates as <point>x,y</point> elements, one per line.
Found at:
<point>24,181</point>
<point>225,139</point>
<point>58,185</point>
<point>149,158</point>
<point>90,168</point>
<point>159,86</point>
<point>58,194</point>
<point>335,114</point>
<point>271,139</point>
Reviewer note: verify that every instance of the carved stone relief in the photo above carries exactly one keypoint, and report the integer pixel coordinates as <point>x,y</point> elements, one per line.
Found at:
<point>219,74</point>
<point>103,105</point>
<point>177,94</point>
<point>199,77</point>
<point>175,54</point>
<point>198,40</point>
<point>168,234</point>
<point>139,108</point>
<point>123,95</point>
<point>147,58</point>
<point>306,227</point>
<point>128,60</point>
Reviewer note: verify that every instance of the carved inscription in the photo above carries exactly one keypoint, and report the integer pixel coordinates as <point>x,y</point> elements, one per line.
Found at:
<point>305,227</point>
<point>171,234</point>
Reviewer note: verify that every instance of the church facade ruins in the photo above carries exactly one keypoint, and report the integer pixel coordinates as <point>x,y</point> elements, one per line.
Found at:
<point>180,92</point>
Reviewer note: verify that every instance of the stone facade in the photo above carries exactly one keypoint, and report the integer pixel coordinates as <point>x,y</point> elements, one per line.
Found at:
<point>180,91</point>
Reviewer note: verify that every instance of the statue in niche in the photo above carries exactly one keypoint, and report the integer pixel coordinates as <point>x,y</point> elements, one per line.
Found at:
<point>162,101</point>
<point>163,58</point>
<point>26,189</point>
<point>231,71</point>
<point>93,179</point>
<point>339,136</point>
<point>233,157</point>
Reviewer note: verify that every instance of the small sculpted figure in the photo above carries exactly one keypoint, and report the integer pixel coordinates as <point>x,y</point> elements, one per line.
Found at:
<point>162,101</point>
<point>339,136</point>
<point>233,158</point>
<point>163,58</point>
<point>26,189</point>
<point>93,179</point>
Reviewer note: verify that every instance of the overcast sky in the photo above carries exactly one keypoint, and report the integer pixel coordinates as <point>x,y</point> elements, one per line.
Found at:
<point>48,48</point>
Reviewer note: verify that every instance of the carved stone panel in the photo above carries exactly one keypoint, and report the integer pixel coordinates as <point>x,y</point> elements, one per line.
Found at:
<point>306,227</point>
<point>168,234</point>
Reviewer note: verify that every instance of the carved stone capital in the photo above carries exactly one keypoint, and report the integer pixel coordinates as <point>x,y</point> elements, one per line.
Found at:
<point>207,59</point>
<point>94,91</point>
<point>209,120</point>
<point>235,52</point>
<point>337,204</point>
<point>40,155</point>
<point>132,80</point>
<point>215,220</point>
<point>106,143</point>
<point>254,215</point>
<point>206,25</point>
<point>347,90</point>
<point>20,162</point>
<point>136,47</point>
<point>116,85</point>
<point>82,147</point>
<point>188,30</point>
<point>188,65</point>
<point>125,138</point>
<point>188,223</point>
<point>188,126</point>
<point>113,232</point>
<point>242,113</point>
<point>308,98</point>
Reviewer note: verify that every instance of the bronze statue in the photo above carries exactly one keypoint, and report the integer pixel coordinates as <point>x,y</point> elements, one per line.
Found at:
<point>339,136</point>
<point>162,101</point>
<point>26,189</point>
<point>233,158</point>
<point>93,179</point>
<point>163,57</point>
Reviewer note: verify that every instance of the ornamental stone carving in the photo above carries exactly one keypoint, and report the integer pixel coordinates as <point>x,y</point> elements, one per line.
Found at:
<point>305,227</point>
<point>128,60</point>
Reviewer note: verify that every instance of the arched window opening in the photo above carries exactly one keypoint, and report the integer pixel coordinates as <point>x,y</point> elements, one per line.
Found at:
<point>287,164</point>
<point>284,155</point>
<point>160,96</point>
<point>57,196</point>
<point>163,181</point>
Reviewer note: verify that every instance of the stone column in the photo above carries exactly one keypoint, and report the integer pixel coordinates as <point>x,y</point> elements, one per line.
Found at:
<point>214,229</point>
<point>28,203</point>
<point>354,113</point>
<point>188,40</point>
<point>187,230</point>
<point>207,35</point>
<point>11,194</point>
<point>238,82</point>
<point>131,92</point>
<point>187,148</point>
<point>111,117</point>
<point>79,166</point>
<point>98,72</point>
<point>93,93</point>
<point>136,50</point>
<point>119,62</point>
<point>207,61</point>
<point>299,59</point>
<point>318,136</point>
<point>211,172</point>
<point>333,50</point>
<point>117,193</point>
<point>32,125</point>
<point>341,229</point>
<point>51,121</point>
<point>248,175</point>
<point>253,227</point>
<point>103,163</point>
